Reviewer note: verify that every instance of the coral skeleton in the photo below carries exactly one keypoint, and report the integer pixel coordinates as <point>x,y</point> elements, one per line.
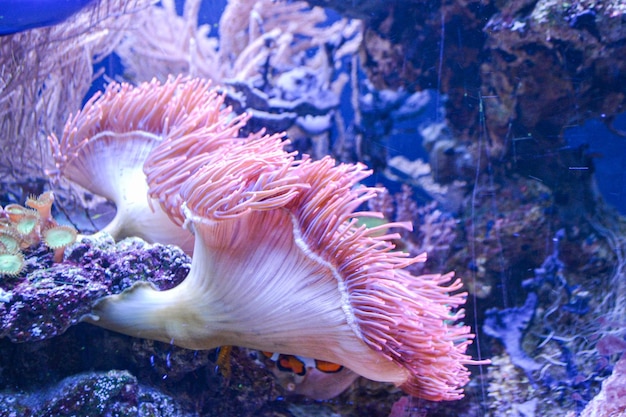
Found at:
<point>278,244</point>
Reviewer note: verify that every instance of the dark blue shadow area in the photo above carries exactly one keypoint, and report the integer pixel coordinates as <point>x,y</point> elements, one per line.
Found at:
<point>609,151</point>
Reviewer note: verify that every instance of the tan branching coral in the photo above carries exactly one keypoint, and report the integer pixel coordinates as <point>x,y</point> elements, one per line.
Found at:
<point>279,33</point>
<point>280,61</point>
<point>165,43</point>
<point>277,242</point>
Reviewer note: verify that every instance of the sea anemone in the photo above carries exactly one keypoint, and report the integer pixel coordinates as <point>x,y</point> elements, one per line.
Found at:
<point>281,265</point>
<point>179,156</point>
<point>104,147</point>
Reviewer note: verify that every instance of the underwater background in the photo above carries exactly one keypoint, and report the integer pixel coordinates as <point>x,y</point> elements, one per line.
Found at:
<point>496,128</point>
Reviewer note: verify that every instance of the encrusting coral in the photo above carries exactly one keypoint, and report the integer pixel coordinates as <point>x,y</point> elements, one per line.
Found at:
<point>277,243</point>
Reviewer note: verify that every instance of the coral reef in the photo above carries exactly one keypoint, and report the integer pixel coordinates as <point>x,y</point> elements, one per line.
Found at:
<point>573,335</point>
<point>495,194</point>
<point>94,394</point>
<point>46,298</point>
<point>510,391</point>
<point>511,70</point>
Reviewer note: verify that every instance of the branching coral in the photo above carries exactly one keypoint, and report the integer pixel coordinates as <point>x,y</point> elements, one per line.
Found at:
<point>277,243</point>
<point>279,61</point>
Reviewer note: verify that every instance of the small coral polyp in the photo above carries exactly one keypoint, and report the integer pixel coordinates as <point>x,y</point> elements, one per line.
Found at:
<point>9,239</point>
<point>11,263</point>
<point>58,238</point>
<point>43,206</point>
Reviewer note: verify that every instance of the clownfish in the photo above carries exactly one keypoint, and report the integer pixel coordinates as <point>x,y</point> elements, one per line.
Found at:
<point>298,364</point>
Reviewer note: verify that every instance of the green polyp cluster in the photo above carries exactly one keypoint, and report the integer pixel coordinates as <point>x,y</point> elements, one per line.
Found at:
<point>22,227</point>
